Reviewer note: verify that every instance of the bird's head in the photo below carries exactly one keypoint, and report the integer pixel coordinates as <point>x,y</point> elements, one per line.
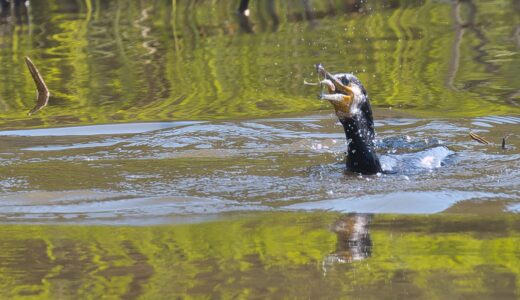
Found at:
<point>346,94</point>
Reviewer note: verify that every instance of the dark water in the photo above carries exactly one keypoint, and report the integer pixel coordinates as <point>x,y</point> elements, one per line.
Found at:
<point>181,154</point>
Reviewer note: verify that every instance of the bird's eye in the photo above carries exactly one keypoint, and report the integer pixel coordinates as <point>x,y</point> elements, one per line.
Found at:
<point>345,80</point>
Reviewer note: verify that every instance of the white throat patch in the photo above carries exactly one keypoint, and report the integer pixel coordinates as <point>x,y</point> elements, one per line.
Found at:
<point>359,98</point>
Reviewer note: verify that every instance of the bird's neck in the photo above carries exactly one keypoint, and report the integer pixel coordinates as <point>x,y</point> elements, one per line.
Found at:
<point>361,154</point>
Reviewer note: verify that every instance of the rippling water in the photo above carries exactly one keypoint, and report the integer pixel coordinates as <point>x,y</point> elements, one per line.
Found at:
<point>133,173</point>
<point>180,152</point>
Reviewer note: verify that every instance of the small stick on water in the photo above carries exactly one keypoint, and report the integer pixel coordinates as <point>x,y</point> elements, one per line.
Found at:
<point>43,91</point>
<point>504,141</point>
<point>478,138</point>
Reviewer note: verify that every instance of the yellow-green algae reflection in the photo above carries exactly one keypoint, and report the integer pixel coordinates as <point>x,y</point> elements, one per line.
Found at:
<point>129,61</point>
<point>117,61</point>
<point>265,255</point>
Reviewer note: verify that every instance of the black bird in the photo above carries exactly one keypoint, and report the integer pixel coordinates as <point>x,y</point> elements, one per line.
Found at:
<point>350,100</point>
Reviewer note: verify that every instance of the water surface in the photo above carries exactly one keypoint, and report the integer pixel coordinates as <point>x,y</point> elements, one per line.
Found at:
<point>181,153</point>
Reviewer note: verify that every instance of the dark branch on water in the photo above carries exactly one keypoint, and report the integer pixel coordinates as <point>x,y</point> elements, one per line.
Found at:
<point>43,91</point>
<point>478,138</point>
<point>504,139</point>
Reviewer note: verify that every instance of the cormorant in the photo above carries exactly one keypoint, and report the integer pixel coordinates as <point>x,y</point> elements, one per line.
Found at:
<point>350,101</point>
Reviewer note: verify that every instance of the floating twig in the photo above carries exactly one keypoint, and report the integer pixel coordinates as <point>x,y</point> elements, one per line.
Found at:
<point>43,91</point>
<point>478,138</point>
<point>504,141</point>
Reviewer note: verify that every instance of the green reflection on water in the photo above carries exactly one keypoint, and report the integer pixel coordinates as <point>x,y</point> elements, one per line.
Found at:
<point>123,61</point>
<point>266,255</point>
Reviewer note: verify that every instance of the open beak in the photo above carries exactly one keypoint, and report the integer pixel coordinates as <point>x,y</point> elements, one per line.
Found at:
<point>339,95</point>
<point>337,84</point>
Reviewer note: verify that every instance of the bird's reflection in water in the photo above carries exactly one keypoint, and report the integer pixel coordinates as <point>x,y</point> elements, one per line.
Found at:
<point>353,240</point>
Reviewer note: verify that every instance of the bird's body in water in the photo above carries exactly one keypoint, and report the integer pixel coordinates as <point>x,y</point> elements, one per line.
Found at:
<point>350,101</point>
